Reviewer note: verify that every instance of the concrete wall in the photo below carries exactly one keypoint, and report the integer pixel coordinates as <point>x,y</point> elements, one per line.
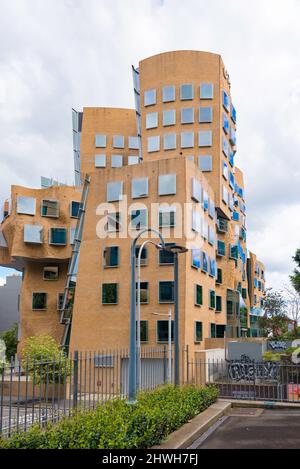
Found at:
<point>9,299</point>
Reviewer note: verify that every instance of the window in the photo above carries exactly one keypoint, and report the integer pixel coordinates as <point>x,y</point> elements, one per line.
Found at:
<point>100,141</point>
<point>144,292</point>
<point>219,279</point>
<point>138,219</point>
<point>169,117</point>
<point>167,217</point>
<point>211,235</point>
<point>196,190</point>
<point>113,222</point>
<point>151,120</point>
<point>235,216</point>
<point>111,256</point>
<point>187,140</point>
<point>50,208</point>
<point>205,115</point>
<point>196,253</point>
<point>169,141</point>
<point>231,158</point>
<point>133,160</point>
<point>149,97</point>
<point>58,236</point>
<point>144,255</point>
<point>218,304</point>
<point>196,221</point>
<point>211,211</point>
<point>163,331</point>
<point>103,361</point>
<point>205,201</point>
<point>144,331</point>
<point>205,229</point>
<point>225,146</point>
<point>198,332</point>
<point>213,332</point>
<point>153,144</point>
<point>166,257</point>
<point>33,234</point>
<point>116,161</point>
<point>186,92</point>
<point>234,253</point>
<point>187,115</point>
<point>225,170</point>
<point>212,299</point>
<point>166,292</point>
<point>139,188</point>
<point>60,301</point>
<point>212,267</point>
<point>75,206</point>
<point>114,191</point>
<point>26,205</point>
<point>72,235</point>
<point>198,295</point>
<point>232,137</point>
<point>205,138</point>
<point>133,143</point>
<point>226,102</point>
<point>109,293</point>
<point>225,195</point>
<point>225,123</point>
<point>100,161</point>
<point>39,301</point>
<point>205,162</point>
<point>167,184</point>
<point>206,91</point>
<point>204,262</point>
<point>118,141</point>
<point>221,248</point>
<point>50,273</point>
<point>168,94</point>
<point>233,113</point>
<point>244,293</point>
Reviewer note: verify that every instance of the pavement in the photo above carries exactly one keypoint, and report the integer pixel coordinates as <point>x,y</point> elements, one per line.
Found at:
<point>253,428</point>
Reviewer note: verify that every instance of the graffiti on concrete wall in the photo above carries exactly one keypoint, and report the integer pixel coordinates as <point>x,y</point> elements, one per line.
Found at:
<point>249,370</point>
<point>278,345</point>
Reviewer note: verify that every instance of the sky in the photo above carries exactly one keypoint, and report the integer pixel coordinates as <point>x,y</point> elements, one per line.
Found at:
<point>59,54</point>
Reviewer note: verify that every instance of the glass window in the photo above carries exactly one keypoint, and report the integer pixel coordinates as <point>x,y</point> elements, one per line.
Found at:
<point>205,138</point>
<point>169,141</point>
<point>116,161</point>
<point>151,120</point>
<point>133,160</point>
<point>196,253</point>
<point>144,255</point>
<point>225,123</point>
<point>26,205</point>
<point>198,295</point>
<point>231,180</point>
<point>163,331</point>
<point>233,113</point>
<point>114,191</point>
<point>198,332</point>
<point>144,292</point>
<point>212,299</point>
<point>111,256</point>
<point>58,236</point>
<point>206,91</point>
<point>50,208</point>
<point>168,94</point>
<point>118,141</point>
<point>187,115</point>
<point>138,219</point>
<point>100,161</point>
<point>225,170</point>
<point>213,332</point>
<point>166,257</point>
<point>196,190</point>
<point>60,301</point>
<point>139,188</point>
<point>50,273</point>
<point>169,117</point>
<point>39,301</point>
<point>221,248</point>
<point>167,184</point>
<point>133,143</point>
<point>205,228</point>
<point>211,235</point>
<point>74,208</point>
<point>205,162</point>
<point>225,195</point>
<point>211,212</point>
<point>235,216</point>
<point>204,262</point>
<point>100,141</point>
<point>232,136</point>
<point>167,217</point>
<point>166,292</point>
<point>218,304</point>
<point>149,97</point>
<point>113,222</point>
<point>205,201</point>
<point>205,114</point>
<point>153,143</point>
<point>144,331</point>
<point>226,101</point>
<point>72,235</point>
<point>109,293</point>
<point>196,221</point>
<point>187,140</point>
<point>231,158</point>
<point>186,92</point>
<point>33,234</point>
<point>212,267</point>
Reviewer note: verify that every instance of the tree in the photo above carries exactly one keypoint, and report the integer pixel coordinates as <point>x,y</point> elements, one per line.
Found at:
<point>275,320</point>
<point>292,297</point>
<point>295,278</point>
<point>10,338</point>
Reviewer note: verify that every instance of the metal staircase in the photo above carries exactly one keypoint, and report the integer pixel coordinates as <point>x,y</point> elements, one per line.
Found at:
<point>69,292</point>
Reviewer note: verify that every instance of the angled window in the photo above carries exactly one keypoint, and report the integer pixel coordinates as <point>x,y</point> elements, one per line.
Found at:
<point>211,236</point>
<point>33,234</point>
<point>167,184</point>
<point>204,262</point>
<point>162,331</point>
<point>72,235</point>
<point>114,191</point>
<point>58,236</point>
<point>196,190</point>
<point>205,228</point>
<point>39,301</point>
<point>225,170</point>
<point>225,146</point>
<point>212,299</point>
<point>233,113</point>
<point>212,267</point>
<point>205,115</point>
<point>221,248</point>
<point>116,161</point>
<point>138,219</point>
<point>132,159</point>
<point>166,292</point>
<point>50,273</point>
<point>196,261</point>
<point>50,208</point>
<point>149,97</point>
<point>169,141</point>
<point>206,91</point>
<point>26,205</point>
<point>234,252</point>
<point>111,256</point>
<point>113,222</point>
<point>109,293</point>
<point>153,143</point>
<point>169,117</point>
<point>166,257</point>
<point>211,211</point>
<point>226,101</point>
<point>196,221</point>
<point>168,94</point>
<point>118,141</point>
<point>232,136</point>
<point>198,332</point>
<point>219,279</point>
<point>100,141</point>
<point>139,188</point>
<point>187,140</point>
<point>167,217</point>
<point>133,143</point>
<point>187,115</point>
<point>205,138</point>
<point>205,201</point>
<point>144,292</point>
<point>186,92</point>
<point>151,120</point>
<point>100,160</point>
<point>198,295</point>
<point>205,163</point>
<point>225,123</point>
<point>235,216</point>
<point>74,209</point>
<point>231,158</point>
<point>225,195</point>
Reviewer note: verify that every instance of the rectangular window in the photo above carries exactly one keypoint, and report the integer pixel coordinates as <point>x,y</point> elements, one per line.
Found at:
<point>163,331</point>
<point>144,331</point>
<point>211,211</point>
<point>60,301</point>
<point>211,236</point>
<point>204,262</point>
<point>205,138</point>
<point>219,280</point>
<point>109,293</point>
<point>222,225</point>
<point>144,255</point>
<point>221,248</point>
<point>226,101</point>
<point>166,292</point>
<point>26,205</point>
<point>196,262</point>
<point>205,115</point>
<point>233,113</point>
<point>244,293</point>
<point>139,188</point>
<point>167,217</point>
<point>167,184</point>
<point>232,137</point>
<point>235,216</point>
<point>133,160</point>
<point>169,141</point>
<point>225,123</point>
<point>168,94</point>
<point>116,161</point>
<point>212,299</point>
<point>72,235</point>
<point>118,141</point>
<point>186,92</point>
<point>205,228</point>
<point>234,253</point>
<point>187,140</point>
<point>198,295</point>
<point>113,222</point>
<point>103,361</point>
<point>196,221</point>
<point>196,190</point>
<point>198,332</point>
<point>187,115</point>
<point>206,91</point>
<point>58,236</point>
<point>144,292</point>
<point>100,161</point>
<point>205,201</point>
<point>74,209</point>
<point>225,195</point>
<point>114,191</point>
<point>39,301</point>
<point>149,97</point>
<point>151,120</point>
<point>111,256</point>
<point>225,170</point>
<point>153,143</point>
<point>212,267</point>
<point>169,117</point>
<point>50,273</point>
<point>205,162</point>
<point>138,219</point>
<point>33,234</point>
<point>225,146</point>
<point>50,208</point>
<point>166,257</point>
<point>231,158</point>
<point>218,304</point>
<point>133,143</point>
<point>100,141</point>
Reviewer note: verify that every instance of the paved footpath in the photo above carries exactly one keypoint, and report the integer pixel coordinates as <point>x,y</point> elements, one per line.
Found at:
<point>249,428</point>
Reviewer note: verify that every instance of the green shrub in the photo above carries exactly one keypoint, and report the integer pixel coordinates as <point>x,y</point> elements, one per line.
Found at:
<point>118,425</point>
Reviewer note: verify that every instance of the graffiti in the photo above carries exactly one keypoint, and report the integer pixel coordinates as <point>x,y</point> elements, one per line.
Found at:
<point>249,370</point>
<point>278,345</point>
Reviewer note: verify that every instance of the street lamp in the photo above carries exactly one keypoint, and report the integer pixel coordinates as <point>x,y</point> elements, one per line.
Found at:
<point>169,315</point>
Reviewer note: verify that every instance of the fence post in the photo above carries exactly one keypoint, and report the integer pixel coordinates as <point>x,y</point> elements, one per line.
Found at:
<point>75,379</point>
<point>187,364</point>
<point>165,364</point>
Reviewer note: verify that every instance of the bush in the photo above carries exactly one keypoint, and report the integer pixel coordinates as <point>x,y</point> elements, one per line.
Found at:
<point>118,425</point>
<point>10,338</point>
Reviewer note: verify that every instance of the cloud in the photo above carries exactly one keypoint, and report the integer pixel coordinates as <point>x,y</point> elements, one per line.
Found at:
<point>61,54</point>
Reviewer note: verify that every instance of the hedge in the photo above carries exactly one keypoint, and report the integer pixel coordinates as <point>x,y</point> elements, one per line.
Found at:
<point>116,424</point>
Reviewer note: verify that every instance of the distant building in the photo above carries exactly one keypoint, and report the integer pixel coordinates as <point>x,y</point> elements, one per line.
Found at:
<point>9,302</point>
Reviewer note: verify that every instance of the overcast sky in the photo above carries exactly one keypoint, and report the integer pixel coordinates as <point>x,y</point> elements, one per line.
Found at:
<point>59,54</point>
